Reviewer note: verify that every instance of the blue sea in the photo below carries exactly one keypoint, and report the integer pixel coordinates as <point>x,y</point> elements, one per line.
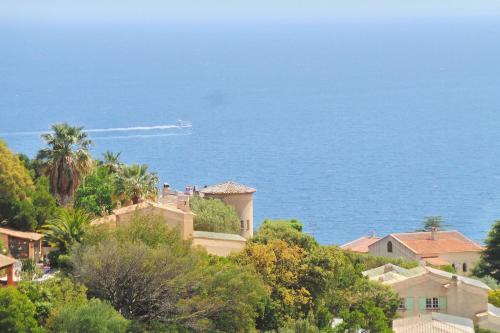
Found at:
<point>350,126</point>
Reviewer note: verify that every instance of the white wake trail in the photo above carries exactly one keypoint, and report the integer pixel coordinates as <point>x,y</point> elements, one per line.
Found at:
<point>180,125</point>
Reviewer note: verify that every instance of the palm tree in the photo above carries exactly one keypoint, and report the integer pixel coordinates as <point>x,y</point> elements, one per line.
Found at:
<point>66,161</point>
<point>112,161</point>
<point>136,183</point>
<point>67,229</point>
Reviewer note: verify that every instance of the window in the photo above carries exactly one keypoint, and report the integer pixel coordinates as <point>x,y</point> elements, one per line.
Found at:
<point>454,267</point>
<point>248,225</point>
<point>432,303</point>
<point>402,304</point>
<point>242,224</point>
<point>464,267</point>
<point>389,247</point>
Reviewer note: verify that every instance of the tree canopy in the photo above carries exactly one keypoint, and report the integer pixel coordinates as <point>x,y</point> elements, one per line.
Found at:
<point>214,215</point>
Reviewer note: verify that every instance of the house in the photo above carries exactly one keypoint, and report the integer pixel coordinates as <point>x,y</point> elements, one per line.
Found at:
<point>21,244</point>
<point>361,244</point>
<point>7,264</point>
<point>436,248</point>
<point>425,290</point>
<point>433,322</point>
<point>174,208</point>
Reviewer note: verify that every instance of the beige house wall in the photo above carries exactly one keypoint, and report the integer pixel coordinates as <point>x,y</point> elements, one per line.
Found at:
<point>218,246</point>
<point>461,299</point>
<point>398,250</point>
<point>174,218</point>
<point>459,258</point>
<point>243,203</point>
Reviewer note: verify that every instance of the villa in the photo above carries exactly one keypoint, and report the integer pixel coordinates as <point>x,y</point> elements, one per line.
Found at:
<point>174,208</point>
<point>425,290</point>
<point>7,264</point>
<point>436,248</point>
<point>434,322</point>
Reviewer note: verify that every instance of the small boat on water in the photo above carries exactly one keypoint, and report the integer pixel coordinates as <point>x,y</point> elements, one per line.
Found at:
<point>184,123</point>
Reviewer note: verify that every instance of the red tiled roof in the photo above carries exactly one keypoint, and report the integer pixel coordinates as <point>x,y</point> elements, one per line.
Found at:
<point>436,261</point>
<point>21,234</point>
<point>360,244</point>
<point>446,241</point>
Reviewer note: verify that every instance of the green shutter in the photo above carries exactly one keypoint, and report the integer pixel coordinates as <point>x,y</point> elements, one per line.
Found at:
<point>442,303</point>
<point>409,303</point>
<point>422,303</point>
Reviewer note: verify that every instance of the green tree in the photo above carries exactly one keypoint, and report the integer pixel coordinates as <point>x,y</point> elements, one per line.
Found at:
<point>364,316</point>
<point>95,194</point>
<point>66,160</point>
<point>111,161</point>
<point>67,229</point>
<point>215,216</point>
<point>289,231</point>
<point>175,284</point>
<point>51,295</point>
<point>135,183</point>
<point>490,258</point>
<point>17,313</point>
<point>431,222</point>
<point>93,316</point>
<point>16,188</point>
<point>44,204</point>
<point>15,181</point>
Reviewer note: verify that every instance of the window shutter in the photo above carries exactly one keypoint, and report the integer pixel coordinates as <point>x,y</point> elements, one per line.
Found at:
<point>409,303</point>
<point>422,303</point>
<point>442,303</point>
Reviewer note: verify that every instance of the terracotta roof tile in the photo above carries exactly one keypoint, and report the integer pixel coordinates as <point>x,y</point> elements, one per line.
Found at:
<point>228,188</point>
<point>446,241</point>
<point>21,234</point>
<point>360,244</point>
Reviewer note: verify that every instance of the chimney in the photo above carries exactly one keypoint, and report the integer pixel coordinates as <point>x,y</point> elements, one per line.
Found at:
<point>166,189</point>
<point>434,233</point>
<point>373,234</point>
<point>388,268</point>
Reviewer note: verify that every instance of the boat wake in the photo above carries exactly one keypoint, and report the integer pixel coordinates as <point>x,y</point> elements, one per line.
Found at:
<point>181,125</point>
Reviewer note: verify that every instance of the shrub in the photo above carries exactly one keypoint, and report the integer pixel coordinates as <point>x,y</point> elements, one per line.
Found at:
<point>215,216</point>
<point>93,316</point>
<point>17,313</point>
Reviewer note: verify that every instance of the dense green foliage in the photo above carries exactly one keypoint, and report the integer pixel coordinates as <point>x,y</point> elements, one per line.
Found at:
<point>66,160</point>
<point>304,278</point>
<point>214,215</point>
<point>95,195</point>
<point>490,258</point>
<point>52,295</point>
<point>177,284</point>
<point>92,316</point>
<point>67,229</point>
<point>366,261</point>
<point>135,183</point>
<point>17,313</point>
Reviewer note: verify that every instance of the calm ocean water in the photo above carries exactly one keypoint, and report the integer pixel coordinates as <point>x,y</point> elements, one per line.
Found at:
<point>347,126</point>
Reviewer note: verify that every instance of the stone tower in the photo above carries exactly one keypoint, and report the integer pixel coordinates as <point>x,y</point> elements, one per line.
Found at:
<point>240,197</point>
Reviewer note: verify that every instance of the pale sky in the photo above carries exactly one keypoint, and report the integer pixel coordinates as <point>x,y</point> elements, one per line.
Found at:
<point>241,9</point>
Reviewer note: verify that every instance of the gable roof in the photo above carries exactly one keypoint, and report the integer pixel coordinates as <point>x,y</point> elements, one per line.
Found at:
<point>228,187</point>
<point>360,245</point>
<point>421,243</point>
<point>434,322</point>
<point>21,234</point>
<point>391,274</point>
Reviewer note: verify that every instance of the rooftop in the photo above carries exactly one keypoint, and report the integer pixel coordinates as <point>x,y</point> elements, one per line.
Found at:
<point>228,188</point>
<point>421,243</point>
<point>21,234</point>
<point>217,235</point>
<point>434,322</point>
<point>360,244</point>
<point>6,261</point>
<point>391,274</point>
